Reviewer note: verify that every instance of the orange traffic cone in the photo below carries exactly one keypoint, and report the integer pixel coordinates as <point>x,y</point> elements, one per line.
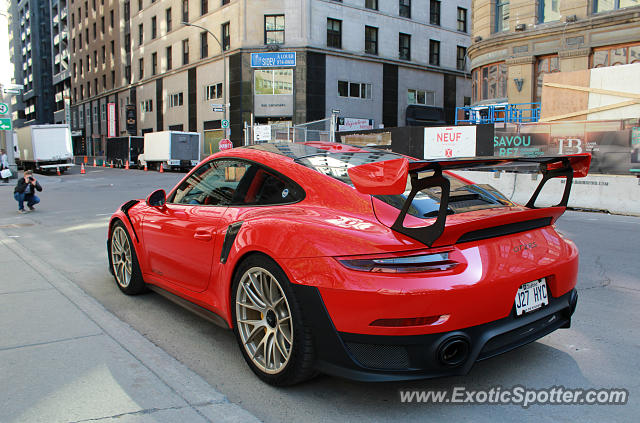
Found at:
<point>58,171</point>
<point>161,168</point>
<point>111,164</point>
<point>94,163</point>
<point>104,163</point>
<point>145,167</point>
<point>82,171</point>
<point>126,164</point>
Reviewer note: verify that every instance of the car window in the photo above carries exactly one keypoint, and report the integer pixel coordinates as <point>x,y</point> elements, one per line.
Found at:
<point>261,186</point>
<point>213,184</point>
<point>236,182</point>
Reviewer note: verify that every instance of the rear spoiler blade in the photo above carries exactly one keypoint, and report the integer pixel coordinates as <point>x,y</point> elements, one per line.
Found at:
<point>389,177</point>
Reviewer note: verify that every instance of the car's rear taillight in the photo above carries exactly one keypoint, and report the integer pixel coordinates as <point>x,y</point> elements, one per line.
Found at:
<point>409,264</point>
<point>411,321</point>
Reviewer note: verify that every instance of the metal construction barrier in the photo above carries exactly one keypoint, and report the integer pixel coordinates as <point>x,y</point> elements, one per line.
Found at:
<point>498,113</point>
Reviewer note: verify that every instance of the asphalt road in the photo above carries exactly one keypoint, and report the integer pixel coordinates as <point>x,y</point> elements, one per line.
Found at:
<point>68,231</point>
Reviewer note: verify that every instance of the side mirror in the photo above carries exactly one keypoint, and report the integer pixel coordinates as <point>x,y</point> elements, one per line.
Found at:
<point>157,198</point>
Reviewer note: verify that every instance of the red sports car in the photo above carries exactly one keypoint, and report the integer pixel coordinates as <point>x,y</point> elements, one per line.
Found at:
<point>354,261</point>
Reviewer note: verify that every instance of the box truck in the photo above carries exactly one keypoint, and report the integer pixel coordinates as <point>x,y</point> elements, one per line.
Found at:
<point>123,149</point>
<point>171,150</point>
<point>44,147</point>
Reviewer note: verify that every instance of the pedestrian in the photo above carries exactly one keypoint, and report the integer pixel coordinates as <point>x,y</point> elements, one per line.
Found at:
<point>26,191</point>
<point>4,164</point>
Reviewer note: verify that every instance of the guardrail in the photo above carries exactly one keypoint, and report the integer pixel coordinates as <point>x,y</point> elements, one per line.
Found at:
<point>496,113</point>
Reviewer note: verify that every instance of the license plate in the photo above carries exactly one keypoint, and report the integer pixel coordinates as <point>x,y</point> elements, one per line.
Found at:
<point>531,296</point>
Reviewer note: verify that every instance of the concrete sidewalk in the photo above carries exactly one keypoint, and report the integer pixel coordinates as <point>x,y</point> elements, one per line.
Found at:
<point>65,358</point>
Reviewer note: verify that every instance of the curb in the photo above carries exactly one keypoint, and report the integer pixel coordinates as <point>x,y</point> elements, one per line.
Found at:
<point>195,391</point>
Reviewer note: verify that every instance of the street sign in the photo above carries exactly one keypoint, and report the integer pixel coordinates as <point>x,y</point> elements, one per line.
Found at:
<point>13,86</point>
<point>4,108</point>
<point>218,109</point>
<point>273,60</point>
<point>217,106</point>
<point>11,91</point>
<point>5,124</point>
<point>335,111</point>
<point>225,123</point>
<point>225,144</point>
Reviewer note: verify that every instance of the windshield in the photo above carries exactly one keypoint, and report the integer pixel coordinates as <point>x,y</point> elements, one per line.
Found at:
<point>463,197</point>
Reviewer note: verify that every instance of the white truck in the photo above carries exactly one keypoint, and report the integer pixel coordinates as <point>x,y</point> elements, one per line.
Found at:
<point>171,150</point>
<point>44,147</point>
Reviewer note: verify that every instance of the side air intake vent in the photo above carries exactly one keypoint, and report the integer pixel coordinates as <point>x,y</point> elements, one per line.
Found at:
<point>511,228</point>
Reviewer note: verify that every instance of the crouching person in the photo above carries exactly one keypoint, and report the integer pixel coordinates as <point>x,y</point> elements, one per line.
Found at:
<point>26,191</point>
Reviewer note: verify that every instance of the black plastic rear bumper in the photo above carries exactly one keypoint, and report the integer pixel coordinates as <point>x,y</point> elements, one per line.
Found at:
<point>390,358</point>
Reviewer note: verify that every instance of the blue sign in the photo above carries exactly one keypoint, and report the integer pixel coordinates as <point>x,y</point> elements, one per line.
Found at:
<point>273,60</point>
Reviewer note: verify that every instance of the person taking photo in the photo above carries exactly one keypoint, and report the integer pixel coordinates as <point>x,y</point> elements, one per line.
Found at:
<point>26,191</point>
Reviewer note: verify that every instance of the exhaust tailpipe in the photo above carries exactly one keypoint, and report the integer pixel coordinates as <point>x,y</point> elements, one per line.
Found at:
<point>454,351</point>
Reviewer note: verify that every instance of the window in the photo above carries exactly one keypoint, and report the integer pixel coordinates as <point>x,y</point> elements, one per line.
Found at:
<point>434,12</point>
<point>434,52</point>
<point>185,51</point>
<point>154,63</point>
<point>111,19</point>
<point>175,100</point>
<point>127,42</point>
<point>113,49</point>
<point>140,68</point>
<point>334,33</point>
<point>617,55</point>
<point>95,31</point>
<point>274,29</point>
<point>548,10</point>
<point>371,40</point>
<point>154,28</point>
<point>169,58</point>
<point>204,45</point>
<point>462,19</point>
<point>139,5</point>
<point>404,8</point>
<point>354,89</point>
<point>606,5</point>
<point>371,4</point>
<point>273,82</point>
<point>489,82</point>
<point>204,7</point>
<point>213,91</point>
<point>146,106</point>
<point>226,37</point>
<point>545,65</point>
<point>104,55</point>
<point>502,15</point>
<point>234,182</point>
<point>127,73</point>
<point>140,34</point>
<point>168,17</point>
<point>102,24</point>
<point>404,46</point>
<point>461,55</point>
<point>127,11</point>
<point>185,10</point>
<point>423,97</point>
<point>95,59</point>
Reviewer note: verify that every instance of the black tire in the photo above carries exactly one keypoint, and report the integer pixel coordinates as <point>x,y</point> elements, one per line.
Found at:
<point>118,258</point>
<point>298,367</point>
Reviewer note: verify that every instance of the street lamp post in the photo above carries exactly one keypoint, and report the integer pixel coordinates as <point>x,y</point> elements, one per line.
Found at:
<point>224,77</point>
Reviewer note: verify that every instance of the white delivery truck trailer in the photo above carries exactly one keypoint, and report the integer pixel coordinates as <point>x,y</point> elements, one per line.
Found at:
<point>44,147</point>
<point>171,150</point>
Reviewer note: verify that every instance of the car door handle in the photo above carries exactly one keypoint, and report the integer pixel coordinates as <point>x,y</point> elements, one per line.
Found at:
<point>202,235</point>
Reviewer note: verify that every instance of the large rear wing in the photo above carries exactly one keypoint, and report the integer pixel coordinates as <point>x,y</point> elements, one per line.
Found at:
<point>390,177</point>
